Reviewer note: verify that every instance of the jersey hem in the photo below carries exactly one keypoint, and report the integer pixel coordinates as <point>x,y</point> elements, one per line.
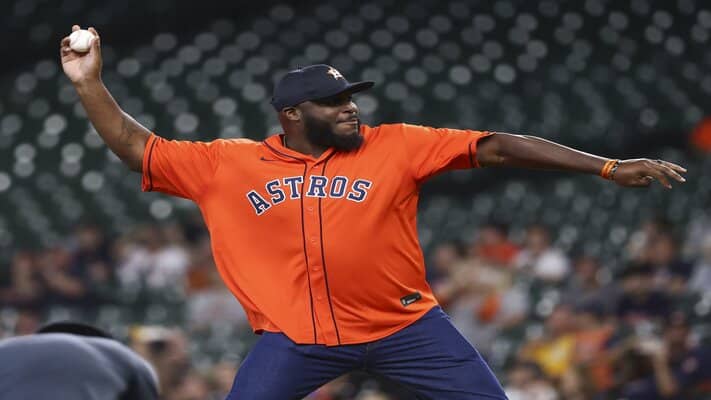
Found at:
<point>389,332</point>
<point>358,341</point>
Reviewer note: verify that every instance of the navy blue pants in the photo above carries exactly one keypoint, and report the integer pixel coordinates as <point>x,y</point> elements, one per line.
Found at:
<point>430,357</point>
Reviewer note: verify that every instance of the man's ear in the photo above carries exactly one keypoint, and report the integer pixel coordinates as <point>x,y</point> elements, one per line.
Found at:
<point>292,113</point>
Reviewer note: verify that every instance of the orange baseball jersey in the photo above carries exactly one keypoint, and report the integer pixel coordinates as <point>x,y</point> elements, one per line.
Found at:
<point>323,249</point>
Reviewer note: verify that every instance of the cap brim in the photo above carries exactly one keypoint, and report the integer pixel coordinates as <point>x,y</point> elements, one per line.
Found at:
<point>356,87</point>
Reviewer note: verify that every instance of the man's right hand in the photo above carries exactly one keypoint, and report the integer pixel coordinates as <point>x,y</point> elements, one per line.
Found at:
<point>122,134</point>
<point>81,67</point>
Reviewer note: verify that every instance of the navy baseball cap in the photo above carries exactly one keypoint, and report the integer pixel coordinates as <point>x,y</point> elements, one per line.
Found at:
<point>311,83</point>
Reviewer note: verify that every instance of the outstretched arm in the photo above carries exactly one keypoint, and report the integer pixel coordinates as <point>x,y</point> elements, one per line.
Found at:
<point>124,136</point>
<point>508,150</point>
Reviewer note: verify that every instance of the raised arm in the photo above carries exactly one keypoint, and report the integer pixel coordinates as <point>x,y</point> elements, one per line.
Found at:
<point>507,150</point>
<point>124,136</point>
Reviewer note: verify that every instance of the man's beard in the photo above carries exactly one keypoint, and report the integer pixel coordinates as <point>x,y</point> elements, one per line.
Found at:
<point>320,133</point>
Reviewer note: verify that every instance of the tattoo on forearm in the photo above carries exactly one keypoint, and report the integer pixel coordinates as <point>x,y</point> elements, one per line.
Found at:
<point>128,131</point>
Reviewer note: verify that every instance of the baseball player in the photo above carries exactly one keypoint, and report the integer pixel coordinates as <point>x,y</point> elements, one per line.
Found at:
<point>68,360</point>
<point>314,229</point>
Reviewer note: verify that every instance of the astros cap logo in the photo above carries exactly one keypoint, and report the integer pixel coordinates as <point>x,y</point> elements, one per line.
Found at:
<point>334,72</point>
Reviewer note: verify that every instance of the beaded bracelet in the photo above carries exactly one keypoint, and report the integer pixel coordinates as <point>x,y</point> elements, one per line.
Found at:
<point>609,169</point>
<point>613,170</point>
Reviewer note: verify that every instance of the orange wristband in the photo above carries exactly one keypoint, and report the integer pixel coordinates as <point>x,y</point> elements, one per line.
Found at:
<point>607,168</point>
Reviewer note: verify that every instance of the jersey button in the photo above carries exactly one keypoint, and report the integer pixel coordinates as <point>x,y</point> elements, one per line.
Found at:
<point>310,209</point>
<point>319,297</point>
<point>316,268</point>
<point>313,239</point>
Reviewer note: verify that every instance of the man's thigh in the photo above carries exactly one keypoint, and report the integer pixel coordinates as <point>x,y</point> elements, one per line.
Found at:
<point>277,368</point>
<point>433,359</point>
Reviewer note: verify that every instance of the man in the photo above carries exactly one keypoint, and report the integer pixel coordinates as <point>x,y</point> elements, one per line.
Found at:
<point>680,368</point>
<point>314,232</point>
<point>73,361</point>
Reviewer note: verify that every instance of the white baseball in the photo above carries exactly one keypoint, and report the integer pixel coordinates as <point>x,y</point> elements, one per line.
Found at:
<point>80,40</point>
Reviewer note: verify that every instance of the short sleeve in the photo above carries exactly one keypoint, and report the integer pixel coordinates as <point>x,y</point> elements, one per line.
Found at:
<point>177,167</point>
<point>434,150</point>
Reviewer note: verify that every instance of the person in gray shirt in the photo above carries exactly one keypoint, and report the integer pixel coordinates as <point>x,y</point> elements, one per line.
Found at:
<point>73,361</point>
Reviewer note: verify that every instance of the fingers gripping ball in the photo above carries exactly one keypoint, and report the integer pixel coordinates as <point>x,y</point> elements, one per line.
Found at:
<point>80,40</point>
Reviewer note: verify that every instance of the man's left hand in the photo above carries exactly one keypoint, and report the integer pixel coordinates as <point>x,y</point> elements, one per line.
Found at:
<point>641,172</point>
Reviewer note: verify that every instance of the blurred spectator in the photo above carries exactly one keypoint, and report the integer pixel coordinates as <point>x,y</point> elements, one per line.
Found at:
<point>76,278</point>
<point>28,321</point>
<point>592,361</point>
<point>527,382</point>
<point>167,351</point>
<point>491,305</point>
<point>672,367</point>
<point>23,286</point>
<point>91,252</point>
<point>451,273</point>
<point>539,259</point>
<point>92,263</point>
<point>640,240</point>
<point>697,230</point>
<point>444,257</point>
<point>573,386</point>
<point>222,377</point>
<point>670,272</point>
<point>157,257</point>
<point>62,287</point>
<point>586,288</point>
<point>555,351</point>
<point>640,300</point>
<point>479,296</point>
<point>80,276</point>
<point>493,246</point>
<point>200,273</point>
<point>209,299</point>
<point>701,279</point>
<point>192,386</point>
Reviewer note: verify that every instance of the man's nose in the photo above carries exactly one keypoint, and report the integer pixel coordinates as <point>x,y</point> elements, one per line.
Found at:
<point>352,108</point>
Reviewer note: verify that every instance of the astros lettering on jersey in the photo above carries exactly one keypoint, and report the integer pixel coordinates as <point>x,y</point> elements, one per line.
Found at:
<point>322,249</point>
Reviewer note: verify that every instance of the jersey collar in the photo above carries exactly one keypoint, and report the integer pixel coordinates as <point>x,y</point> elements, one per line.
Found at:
<point>275,144</point>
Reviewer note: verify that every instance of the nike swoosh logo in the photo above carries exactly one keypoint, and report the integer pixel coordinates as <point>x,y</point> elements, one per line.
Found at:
<point>267,159</point>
